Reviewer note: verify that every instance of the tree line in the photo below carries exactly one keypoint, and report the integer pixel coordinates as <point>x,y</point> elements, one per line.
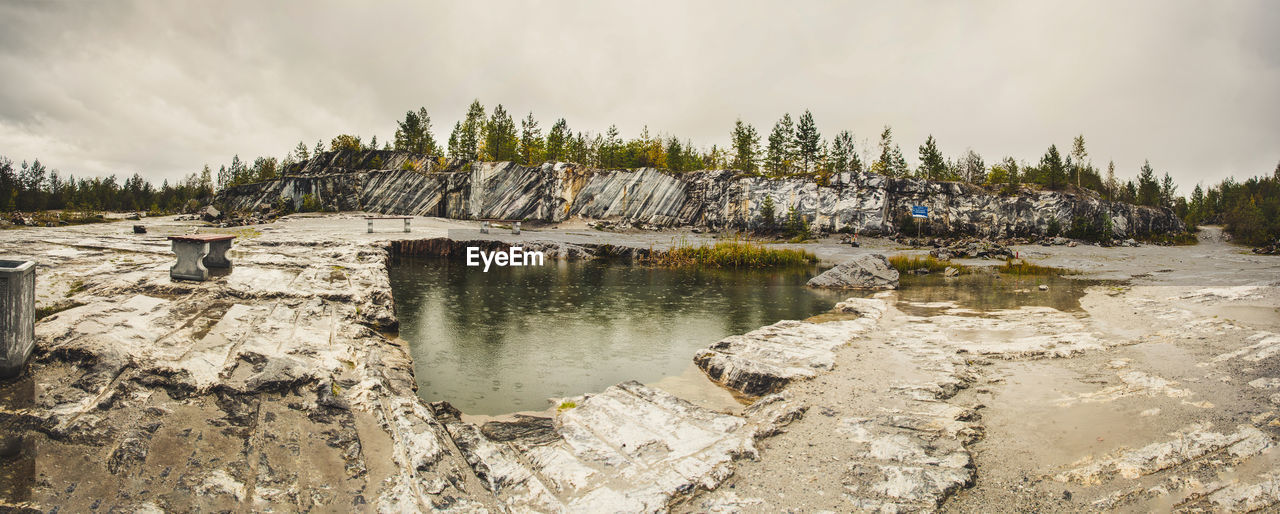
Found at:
<point>34,187</point>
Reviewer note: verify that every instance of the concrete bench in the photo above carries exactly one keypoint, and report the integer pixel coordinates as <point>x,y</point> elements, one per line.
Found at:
<point>485,223</point>
<point>370,219</point>
<point>199,252</point>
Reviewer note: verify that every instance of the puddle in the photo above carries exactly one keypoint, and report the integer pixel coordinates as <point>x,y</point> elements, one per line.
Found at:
<point>507,340</point>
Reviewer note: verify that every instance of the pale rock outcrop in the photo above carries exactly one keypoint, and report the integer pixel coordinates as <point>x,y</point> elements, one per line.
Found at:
<point>408,184</point>
<point>870,271</point>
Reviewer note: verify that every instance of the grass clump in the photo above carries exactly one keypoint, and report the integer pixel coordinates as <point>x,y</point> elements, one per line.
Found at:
<point>49,310</point>
<point>909,263</point>
<point>567,405</point>
<point>1022,267</point>
<point>731,254</point>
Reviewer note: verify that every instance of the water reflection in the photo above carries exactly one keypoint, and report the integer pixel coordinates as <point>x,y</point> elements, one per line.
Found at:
<point>507,340</point>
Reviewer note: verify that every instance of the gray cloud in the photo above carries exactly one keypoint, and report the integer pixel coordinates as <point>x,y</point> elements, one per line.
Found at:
<point>161,88</point>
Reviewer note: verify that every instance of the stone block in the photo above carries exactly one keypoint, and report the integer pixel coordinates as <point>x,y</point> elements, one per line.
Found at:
<point>17,315</point>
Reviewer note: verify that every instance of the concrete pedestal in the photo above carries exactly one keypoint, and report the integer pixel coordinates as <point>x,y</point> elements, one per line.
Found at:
<point>17,315</point>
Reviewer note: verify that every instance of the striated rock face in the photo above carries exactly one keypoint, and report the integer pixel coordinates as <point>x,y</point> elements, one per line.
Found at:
<point>403,183</point>
<point>764,360</point>
<point>871,271</point>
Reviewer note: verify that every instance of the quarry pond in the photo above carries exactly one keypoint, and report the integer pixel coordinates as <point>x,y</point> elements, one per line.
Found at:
<point>508,339</point>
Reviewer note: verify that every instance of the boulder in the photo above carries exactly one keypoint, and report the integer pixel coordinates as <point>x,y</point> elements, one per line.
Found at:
<point>209,213</point>
<point>951,272</point>
<point>870,271</point>
<point>139,229</point>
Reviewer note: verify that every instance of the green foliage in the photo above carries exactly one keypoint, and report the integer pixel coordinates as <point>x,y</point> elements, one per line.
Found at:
<point>1148,188</point>
<point>1052,169</point>
<point>746,147</point>
<point>1089,229</point>
<point>932,165</point>
<point>309,203</point>
<point>807,143</point>
<point>731,254</point>
<point>500,140</point>
<point>780,153</point>
<point>1054,229</point>
<point>796,227</point>
<point>1023,267</point>
<point>345,142</point>
<point>909,263</point>
<point>413,134</point>
<point>891,163</point>
<point>768,214</point>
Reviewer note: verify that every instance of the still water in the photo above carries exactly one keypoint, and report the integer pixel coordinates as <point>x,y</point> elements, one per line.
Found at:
<point>506,340</point>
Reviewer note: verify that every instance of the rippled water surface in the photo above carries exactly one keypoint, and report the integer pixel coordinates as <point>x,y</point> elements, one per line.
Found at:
<point>506,340</point>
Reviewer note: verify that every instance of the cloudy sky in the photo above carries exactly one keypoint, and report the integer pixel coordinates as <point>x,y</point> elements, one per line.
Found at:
<point>162,88</point>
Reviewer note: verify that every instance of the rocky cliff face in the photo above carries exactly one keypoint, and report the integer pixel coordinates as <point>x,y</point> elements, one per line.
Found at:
<point>409,184</point>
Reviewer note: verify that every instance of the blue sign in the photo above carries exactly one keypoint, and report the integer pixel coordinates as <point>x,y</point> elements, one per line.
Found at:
<point>919,211</point>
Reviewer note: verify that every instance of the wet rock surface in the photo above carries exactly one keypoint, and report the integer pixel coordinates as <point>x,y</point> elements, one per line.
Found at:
<point>272,388</point>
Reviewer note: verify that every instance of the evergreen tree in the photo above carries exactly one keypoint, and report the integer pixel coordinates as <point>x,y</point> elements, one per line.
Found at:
<point>469,132</point>
<point>557,139</point>
<point>530,141</point>
<point>1167,191</point>
<point>500,139</point>
<point>413,134</point>
<point>768,213</point>
<point>932,166</point>
<point>1052,168</point>
<point>779,155</point>
<point>844,156</point>
<point>300,152</point>
<point>1148,188</point>
<point>319,148</point>
<point>807,142</point>
<point>891,163</point>
<point>455,142</point>
<point>746,147</point>
<point>609,148</point>
<point>1112,185</point>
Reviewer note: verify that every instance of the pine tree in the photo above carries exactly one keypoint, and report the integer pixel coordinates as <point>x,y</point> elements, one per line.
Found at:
<point>844,157</point>
<point>1113,185</point>
<point>557,139</point>
<point>455,142</point>
<point>768,213</point>
<point>319,148</point>
<point>500,139</point>
<point>746,147</point>
<point>530,141</point>
<point>469,132</point>
<point>891,163</point>
<point>807,142</point>
<point>1148,188</point>
<point>300,152</point>
<point>1051,166</point>
<point>413,134</point>
<point>1167,190</point>
<point>932,166</point>
<point>779,155</point>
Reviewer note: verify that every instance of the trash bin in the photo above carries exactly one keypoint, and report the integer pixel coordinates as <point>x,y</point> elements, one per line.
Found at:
<point>17,315</point>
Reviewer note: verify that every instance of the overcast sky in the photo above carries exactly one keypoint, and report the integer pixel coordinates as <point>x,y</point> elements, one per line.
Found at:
<point>162,88</point>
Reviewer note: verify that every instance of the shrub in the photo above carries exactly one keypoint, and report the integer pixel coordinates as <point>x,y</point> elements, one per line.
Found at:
<point>731,254</point>
<point>1022,267</point>
<point>909,263</point>
<point>309,203</point>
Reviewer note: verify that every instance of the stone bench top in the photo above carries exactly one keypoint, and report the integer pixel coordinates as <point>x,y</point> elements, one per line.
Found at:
<point>388,217</point>
<point>202,238</point>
